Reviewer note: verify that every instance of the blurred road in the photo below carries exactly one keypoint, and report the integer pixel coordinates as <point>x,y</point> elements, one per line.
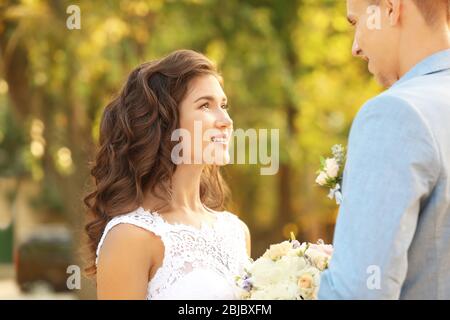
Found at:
<point>9,290</point>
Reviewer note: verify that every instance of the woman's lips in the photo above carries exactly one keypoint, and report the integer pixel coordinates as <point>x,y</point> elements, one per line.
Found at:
<point>222,138</point>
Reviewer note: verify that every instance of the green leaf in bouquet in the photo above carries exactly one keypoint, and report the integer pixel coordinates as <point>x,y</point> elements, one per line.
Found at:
<point>322,163</point>
<point>292,236</point>
<point>331,182</point>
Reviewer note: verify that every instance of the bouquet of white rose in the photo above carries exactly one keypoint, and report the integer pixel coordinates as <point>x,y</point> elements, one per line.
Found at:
<point>289,270</point>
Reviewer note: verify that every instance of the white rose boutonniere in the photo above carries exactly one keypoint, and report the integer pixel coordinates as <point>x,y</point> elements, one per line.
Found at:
<point>331,171</point>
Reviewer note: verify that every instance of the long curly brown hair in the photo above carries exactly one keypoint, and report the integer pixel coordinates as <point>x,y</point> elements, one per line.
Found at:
<point>134,155</point>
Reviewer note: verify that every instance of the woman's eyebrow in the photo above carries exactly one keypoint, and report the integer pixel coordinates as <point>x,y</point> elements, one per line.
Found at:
<point>209,98</point>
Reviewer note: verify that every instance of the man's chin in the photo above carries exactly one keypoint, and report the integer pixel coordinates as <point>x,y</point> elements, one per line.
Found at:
<point>384,81</point>
<point>371,71</point>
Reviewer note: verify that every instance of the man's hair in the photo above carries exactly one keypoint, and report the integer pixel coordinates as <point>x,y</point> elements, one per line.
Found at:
<point>430,9</point>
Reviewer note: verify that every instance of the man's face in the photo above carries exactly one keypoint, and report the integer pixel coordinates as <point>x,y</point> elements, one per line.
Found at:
<point>375,40</point>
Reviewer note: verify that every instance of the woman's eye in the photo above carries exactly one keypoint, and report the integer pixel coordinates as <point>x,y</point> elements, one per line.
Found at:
<point>205,106</point>
<point>225,106</point>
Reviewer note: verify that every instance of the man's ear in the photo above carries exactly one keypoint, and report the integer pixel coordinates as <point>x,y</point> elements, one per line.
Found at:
<point>393,9</point>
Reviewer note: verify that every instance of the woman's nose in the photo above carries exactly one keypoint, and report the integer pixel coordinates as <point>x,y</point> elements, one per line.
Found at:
<point>223,120</point>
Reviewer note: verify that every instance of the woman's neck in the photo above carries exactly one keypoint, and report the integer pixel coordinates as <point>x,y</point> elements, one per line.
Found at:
<point>185,191</point>
<point>186,188</point>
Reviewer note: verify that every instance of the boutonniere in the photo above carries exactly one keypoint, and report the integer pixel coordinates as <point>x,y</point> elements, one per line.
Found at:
<point>331,172</point>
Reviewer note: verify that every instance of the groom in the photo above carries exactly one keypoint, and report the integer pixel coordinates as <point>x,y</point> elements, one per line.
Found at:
<point>392,237</point>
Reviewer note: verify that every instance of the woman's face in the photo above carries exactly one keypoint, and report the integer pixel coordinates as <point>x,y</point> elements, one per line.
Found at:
<point>205,124</point>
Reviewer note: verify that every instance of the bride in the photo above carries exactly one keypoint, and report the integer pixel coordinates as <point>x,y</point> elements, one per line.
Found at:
<point>156,229</point>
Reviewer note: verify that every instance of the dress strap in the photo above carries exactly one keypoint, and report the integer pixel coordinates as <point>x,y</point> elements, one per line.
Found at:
<point>140,218</point>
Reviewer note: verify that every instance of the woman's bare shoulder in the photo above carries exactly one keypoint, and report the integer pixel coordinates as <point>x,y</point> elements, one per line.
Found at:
<point>127,255</point>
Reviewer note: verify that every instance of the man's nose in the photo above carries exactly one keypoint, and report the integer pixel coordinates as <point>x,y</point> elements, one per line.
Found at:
<point>356,50</point>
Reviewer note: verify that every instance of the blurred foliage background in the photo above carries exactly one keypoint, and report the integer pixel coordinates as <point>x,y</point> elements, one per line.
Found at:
<point>286,64</point>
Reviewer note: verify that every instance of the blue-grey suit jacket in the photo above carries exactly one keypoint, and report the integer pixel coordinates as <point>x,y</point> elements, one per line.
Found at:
<point>392,236</point>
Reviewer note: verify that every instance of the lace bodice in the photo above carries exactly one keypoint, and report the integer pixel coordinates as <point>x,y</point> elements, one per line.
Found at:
<point>199,263</point>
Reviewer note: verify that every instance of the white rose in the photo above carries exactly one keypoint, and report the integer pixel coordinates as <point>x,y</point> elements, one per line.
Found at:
<point>322,179</point>
<point>294,253</point>
<point>290,266</point>
<point>278,291</point>
<point>319,258</point>
<point>331,167</point>
<point>308,283</point>
<point>263,272</point>
<point>276,251</point>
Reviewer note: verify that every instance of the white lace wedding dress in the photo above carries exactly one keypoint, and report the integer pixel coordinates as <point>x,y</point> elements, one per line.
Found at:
<point>198,264</point>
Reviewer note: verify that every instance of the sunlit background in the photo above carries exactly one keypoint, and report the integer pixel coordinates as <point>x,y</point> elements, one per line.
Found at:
<point>286,65</point>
